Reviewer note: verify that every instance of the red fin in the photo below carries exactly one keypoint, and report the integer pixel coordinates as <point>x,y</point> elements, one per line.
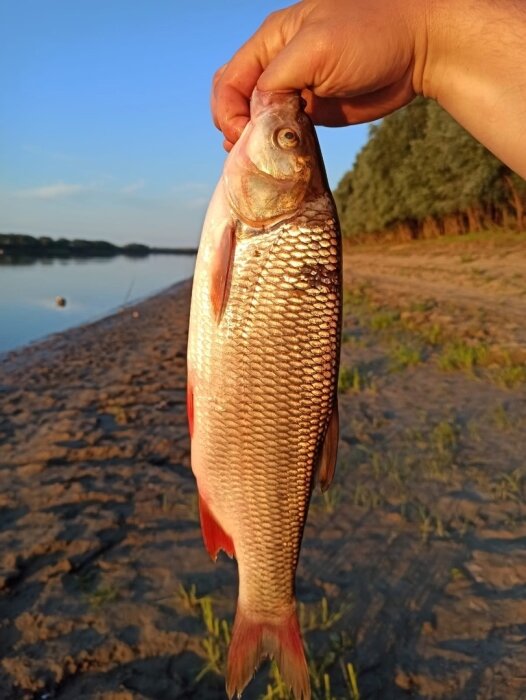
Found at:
<point>221,270</point>
<point>190,407</point>
<point>252,640</point>
<point>329,450</point>
<point>214,536</point>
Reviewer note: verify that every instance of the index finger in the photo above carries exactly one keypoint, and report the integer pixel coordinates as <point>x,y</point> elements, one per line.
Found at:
<point>234,82</point>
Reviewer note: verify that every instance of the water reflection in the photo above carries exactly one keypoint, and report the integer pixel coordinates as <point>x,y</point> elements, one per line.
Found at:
<point>91,287</point>
<point>26,260</point>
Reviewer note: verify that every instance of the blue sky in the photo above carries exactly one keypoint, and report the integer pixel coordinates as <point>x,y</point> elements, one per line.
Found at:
<point>105,130</point>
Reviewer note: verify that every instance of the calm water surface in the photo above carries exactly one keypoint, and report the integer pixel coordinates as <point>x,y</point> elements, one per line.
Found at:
<point>92,288</point>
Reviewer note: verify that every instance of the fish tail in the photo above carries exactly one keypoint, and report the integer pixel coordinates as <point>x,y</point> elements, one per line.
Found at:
<point>281,640</point>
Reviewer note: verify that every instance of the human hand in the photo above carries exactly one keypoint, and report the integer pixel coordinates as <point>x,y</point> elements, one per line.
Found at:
<point>353,60</point>
<point>358,60</point>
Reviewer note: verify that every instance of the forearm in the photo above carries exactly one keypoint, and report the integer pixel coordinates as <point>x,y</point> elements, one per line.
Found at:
<point>476,69</point>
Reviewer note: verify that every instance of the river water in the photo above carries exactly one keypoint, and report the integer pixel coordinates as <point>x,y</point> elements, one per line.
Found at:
<point>91,288</point>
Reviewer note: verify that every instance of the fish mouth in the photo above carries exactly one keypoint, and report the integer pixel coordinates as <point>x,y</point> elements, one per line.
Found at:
<point>262,100</point>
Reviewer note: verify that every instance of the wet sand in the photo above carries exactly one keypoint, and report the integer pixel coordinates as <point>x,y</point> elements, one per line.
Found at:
<point>419,548</point>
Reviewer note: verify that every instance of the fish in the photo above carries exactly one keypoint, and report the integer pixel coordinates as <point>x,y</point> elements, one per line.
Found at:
<point>263,358</point>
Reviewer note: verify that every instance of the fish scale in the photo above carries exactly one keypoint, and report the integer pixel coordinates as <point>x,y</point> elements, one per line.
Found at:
<point>282,422</point>
<point>263,365</point>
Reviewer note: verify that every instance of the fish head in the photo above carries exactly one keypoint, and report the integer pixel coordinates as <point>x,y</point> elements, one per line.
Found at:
<point>276,164</point>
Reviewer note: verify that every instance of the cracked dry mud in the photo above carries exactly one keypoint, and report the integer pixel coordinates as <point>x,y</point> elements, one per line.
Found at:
<point>422,536</point>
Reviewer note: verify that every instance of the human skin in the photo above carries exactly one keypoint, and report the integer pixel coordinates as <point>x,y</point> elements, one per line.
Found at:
<point>358,60</point>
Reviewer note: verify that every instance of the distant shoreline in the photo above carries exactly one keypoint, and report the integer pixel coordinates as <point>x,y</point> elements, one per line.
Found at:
<point>17,245</point>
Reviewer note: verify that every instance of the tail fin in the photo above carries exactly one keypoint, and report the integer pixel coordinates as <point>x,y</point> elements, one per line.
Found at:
<point>252,640</point>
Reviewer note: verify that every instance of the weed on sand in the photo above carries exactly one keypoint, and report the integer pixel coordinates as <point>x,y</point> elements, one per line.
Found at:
<point>412,335</point>
<point>461,355</point>
<point>404,355</point>
<point>355,378</point>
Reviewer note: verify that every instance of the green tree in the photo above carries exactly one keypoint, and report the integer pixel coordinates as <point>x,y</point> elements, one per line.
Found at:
<point>421,171</point>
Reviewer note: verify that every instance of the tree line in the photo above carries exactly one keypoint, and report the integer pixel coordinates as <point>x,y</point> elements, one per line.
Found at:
<point>12,244</point>
<point>422,175</point>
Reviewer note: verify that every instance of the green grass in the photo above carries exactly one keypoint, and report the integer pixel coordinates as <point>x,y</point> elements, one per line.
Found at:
<point>423,306</point>
<point>481,274</point>
<point>432,334</point>
<point>394,323</point>
<point>511,376</point>
<point>384,319</point>
<point>217,640</point>
<point>430,524</point>
<point>501,417</point>
<point>326,501</point>
<point>354,378</point>
<point>391,465</point>
<point>323,670</point>
<point>104,595</point>
<point>120,415</point>
<point>463,356</point>
<point>187,598</point>
<point>355,297</point>
<point>320,616</point>
<point>444,436</point>
<point>495,238</point>
<point>502,368</point>
<point>510,486</point>
<point>404,355</point>
<point>367,497</point>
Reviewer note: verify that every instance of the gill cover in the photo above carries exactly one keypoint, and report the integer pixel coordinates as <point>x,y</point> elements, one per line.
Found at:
<point>273,166</point>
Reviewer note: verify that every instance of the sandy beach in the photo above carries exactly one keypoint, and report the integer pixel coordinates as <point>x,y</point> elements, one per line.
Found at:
<point>413,568</point>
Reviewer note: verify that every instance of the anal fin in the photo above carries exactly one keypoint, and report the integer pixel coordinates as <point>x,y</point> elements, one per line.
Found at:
<point>215,538</point>
<point>329,450</point>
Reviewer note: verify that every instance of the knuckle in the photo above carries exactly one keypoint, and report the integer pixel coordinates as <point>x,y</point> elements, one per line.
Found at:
<point>273,19</point>
<point>218,74</point>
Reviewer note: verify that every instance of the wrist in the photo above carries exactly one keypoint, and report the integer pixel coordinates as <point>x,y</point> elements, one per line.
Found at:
<point>473,62</point>
<point>442,50</point>
<point>470,46</point>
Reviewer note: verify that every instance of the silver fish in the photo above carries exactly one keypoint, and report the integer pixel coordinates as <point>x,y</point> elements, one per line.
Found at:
<point>263,359</point>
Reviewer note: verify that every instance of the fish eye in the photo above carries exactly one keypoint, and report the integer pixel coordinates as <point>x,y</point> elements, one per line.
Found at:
<point>287,138</point>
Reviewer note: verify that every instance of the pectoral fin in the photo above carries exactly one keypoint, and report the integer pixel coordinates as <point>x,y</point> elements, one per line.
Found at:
<point>329,450</point>
<point>221,269</point>
<point>190,407</point>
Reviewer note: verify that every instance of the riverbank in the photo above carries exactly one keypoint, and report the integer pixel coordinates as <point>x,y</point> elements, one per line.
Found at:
<point>413,567</point>
<point>95,473</point>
